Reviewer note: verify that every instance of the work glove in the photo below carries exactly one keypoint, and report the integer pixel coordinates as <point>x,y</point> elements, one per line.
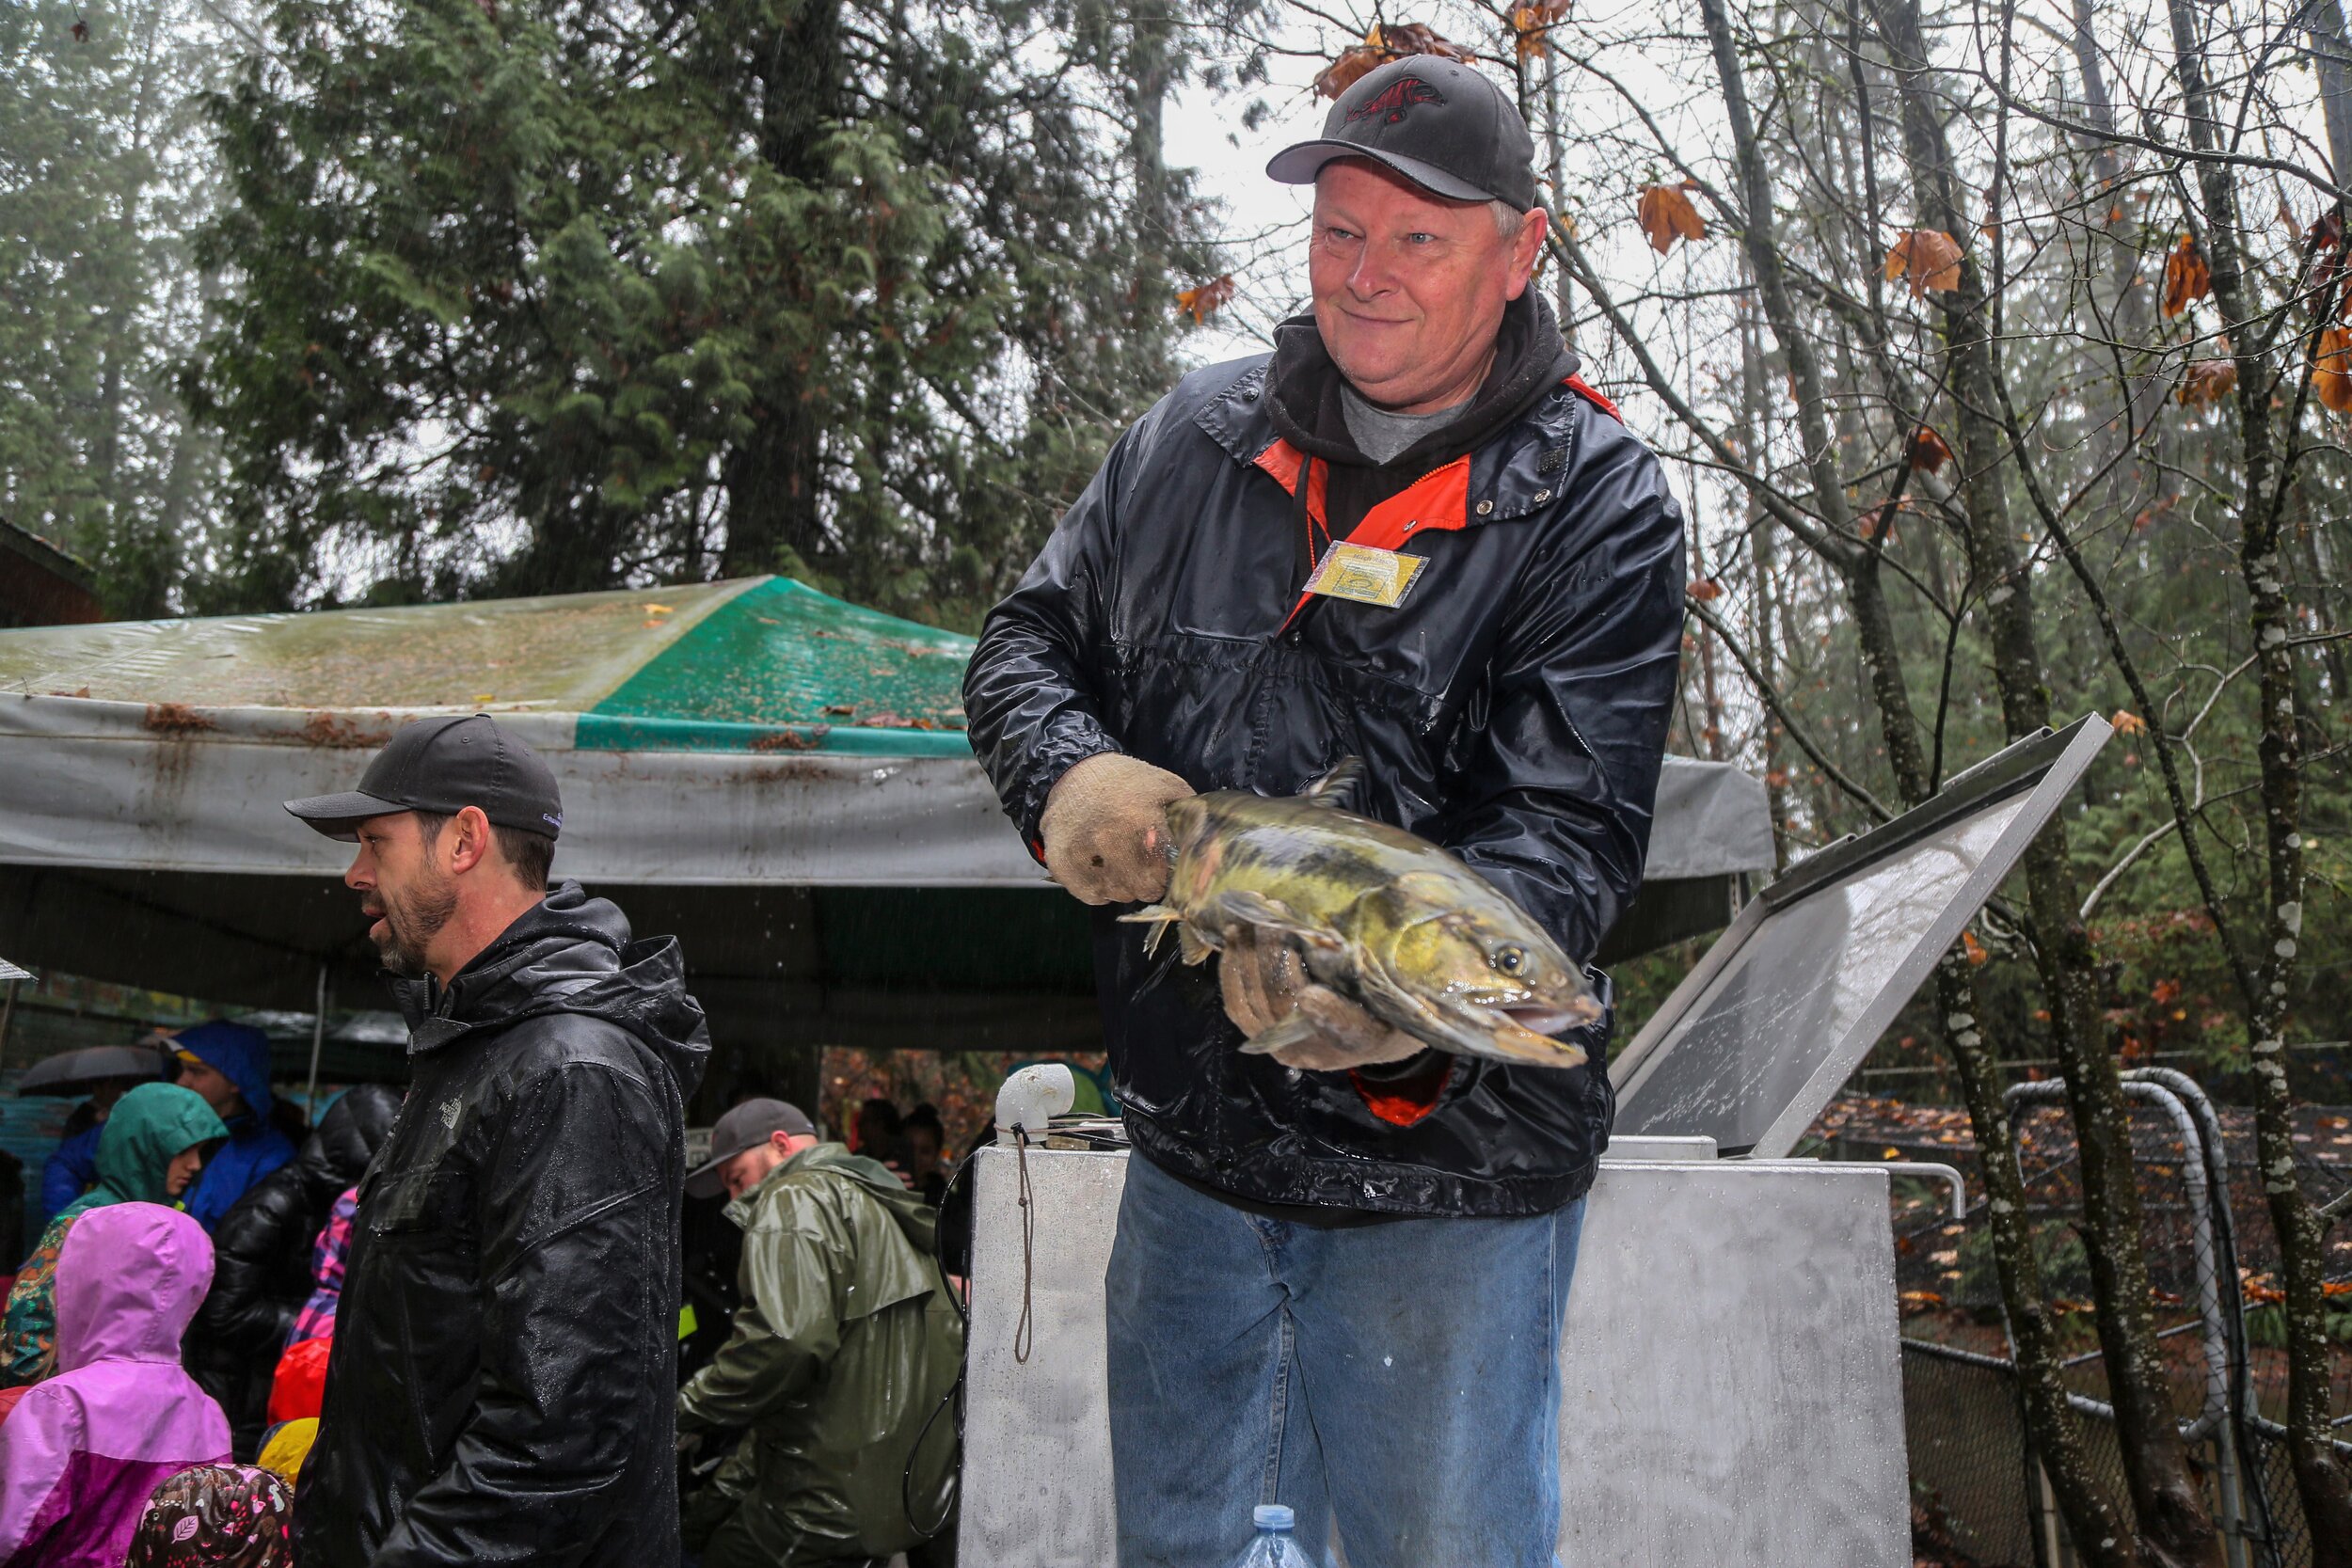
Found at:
<point>1105,828</point>
<point>1264,983</point>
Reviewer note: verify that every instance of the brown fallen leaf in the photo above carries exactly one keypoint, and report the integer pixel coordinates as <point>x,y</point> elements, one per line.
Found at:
<point>1928,257</point>
<point>1928,452</point>
<point>1206,299</point>
<point>2206,381</point>
<point>2332,370</point>
<point>2186,278</point>
<point>1530,23</point>
<point>1665,214</point>
<point>1384,43</point>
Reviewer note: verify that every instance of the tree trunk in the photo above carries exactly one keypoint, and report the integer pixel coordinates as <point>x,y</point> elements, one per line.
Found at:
<point>775,476</point>
<point>2320,1478</point>
<point>2175,1525</point>
<point>2092,1516</point>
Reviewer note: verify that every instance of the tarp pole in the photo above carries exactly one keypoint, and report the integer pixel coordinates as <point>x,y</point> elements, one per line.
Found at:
<point>318,1038</point>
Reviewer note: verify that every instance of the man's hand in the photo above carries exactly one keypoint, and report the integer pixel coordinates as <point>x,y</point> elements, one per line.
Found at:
<point>1264,982</point>
<point>1105,828</point>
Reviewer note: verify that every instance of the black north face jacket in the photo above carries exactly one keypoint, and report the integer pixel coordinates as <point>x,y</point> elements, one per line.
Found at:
<point>504,1383</point>
<point>1514,708</point>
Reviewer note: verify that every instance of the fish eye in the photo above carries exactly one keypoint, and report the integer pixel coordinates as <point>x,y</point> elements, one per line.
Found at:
<point>1510,960</point>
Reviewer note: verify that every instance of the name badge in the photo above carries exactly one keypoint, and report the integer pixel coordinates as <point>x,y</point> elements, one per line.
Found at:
<point>1366,575</point>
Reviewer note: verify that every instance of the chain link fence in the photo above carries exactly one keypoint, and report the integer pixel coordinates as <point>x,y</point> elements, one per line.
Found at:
<point>1979,1498</point>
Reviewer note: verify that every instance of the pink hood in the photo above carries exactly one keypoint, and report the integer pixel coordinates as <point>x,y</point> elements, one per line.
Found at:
<point>129,1278</point>
<point>81,1451</point>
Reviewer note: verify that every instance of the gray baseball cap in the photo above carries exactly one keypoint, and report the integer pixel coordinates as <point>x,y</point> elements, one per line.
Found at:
<point>1445,126</point>
<point>443,766</point>
<point>747,1126</point>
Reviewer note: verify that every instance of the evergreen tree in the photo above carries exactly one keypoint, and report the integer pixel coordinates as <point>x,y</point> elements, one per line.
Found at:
<point>555,297</point>
<point>98,153</point>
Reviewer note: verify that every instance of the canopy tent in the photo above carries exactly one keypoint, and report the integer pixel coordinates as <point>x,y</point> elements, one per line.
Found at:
<point>779,778</point>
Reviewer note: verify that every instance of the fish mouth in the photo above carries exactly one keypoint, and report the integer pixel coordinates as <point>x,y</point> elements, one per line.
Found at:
<point>1551,1021</point>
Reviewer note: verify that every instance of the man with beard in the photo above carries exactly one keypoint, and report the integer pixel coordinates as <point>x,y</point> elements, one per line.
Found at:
<point>500,1387</point>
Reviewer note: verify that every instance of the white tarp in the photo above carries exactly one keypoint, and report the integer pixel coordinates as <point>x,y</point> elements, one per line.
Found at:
<point>127,785</point>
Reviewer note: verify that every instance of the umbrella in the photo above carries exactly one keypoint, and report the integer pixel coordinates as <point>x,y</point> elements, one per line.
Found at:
<point>73,1072</point>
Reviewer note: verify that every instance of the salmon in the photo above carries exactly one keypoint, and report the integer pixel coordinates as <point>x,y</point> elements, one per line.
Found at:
<point>1389,921</point>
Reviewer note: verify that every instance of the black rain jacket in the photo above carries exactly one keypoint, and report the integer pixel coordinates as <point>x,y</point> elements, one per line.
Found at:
<point>262,1257</point>
<point>502,1386</point>
<point>1513,709</point>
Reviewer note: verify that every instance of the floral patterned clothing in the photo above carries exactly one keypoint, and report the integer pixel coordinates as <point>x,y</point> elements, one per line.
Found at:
<point>28,1335</point>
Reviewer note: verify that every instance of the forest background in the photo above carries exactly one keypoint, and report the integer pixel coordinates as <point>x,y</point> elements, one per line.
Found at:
<point>1999,354</point>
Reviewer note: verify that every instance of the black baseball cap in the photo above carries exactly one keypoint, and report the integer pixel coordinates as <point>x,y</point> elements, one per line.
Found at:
<point>1441,124</point>
<point>747,1126</point>
<point>443,766</point>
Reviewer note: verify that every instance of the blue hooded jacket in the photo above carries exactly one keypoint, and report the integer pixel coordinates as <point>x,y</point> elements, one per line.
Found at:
<point>255,1147</point>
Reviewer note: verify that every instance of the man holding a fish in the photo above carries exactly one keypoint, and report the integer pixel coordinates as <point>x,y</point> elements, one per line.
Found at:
<point>1353,666</point>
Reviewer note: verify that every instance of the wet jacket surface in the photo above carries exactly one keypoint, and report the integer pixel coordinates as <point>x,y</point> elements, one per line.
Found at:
<point>81,1452</point>
<point>846,1346</point>
<point>503,1380</point>
<point>1513,709</point>
<point>262,1249</point>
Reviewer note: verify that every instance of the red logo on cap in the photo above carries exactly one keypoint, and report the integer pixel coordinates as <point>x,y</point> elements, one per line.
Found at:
<point>1395,100</point>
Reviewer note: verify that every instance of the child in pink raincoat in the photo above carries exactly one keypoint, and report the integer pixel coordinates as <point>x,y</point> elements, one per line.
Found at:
<point>83,1452</point>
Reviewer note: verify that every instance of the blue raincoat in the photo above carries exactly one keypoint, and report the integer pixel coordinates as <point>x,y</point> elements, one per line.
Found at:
<point>255,1147</point>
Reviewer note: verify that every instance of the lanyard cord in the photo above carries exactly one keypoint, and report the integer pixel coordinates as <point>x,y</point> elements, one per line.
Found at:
<point>1313,536</point>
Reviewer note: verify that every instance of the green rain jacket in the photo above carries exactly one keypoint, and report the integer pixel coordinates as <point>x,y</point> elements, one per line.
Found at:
<point>843,1356</point>
<point>148,1129</point>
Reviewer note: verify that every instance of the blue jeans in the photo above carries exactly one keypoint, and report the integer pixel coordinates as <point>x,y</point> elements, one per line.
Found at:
<point>1400,1378</point>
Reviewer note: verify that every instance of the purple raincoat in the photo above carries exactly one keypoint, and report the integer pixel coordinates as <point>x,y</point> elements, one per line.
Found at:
<point>84,1449</point>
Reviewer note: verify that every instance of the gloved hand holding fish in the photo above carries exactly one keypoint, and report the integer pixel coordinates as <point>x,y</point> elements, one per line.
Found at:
<point>1340,916</point>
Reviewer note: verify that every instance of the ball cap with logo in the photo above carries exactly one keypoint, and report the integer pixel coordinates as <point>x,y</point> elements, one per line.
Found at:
<point>1441,124</point>
<point>747,1126</point>
<point>443,766</point>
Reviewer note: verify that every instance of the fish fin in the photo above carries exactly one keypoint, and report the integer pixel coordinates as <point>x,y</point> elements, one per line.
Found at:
<point>1159,917</point>
<point>1240,907</point>
<point>1293,1030</point>
<point>1336,787</point>
<point>1191,946</point>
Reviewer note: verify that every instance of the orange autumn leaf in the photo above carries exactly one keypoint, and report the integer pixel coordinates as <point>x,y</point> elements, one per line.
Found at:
<point>1928,452</point>
<point>1928,257</point>
<point>2128,723</point>
<point>1530,23</point>
<point>1352,66</point>
<point>1977,957</point>
<point>2206,381</point>
<point>1384,43</point>
<point>2332,370</point>
<point>2186,278</point>
<point>1665,214</point>
<point>1206,300</point>
<point>1704,589</point>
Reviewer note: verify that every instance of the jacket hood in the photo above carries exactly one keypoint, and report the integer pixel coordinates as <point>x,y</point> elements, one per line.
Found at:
<point>148,1129</point>
<point>238,1053</point>
<point>568,953</point>
<point>1304,388</point>
<point>129,1278</point>
<point>913,1215</point>
<point>354,1128</point>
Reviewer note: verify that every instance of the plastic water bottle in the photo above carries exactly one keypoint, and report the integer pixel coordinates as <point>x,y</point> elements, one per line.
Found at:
<point>1274,1548</point>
